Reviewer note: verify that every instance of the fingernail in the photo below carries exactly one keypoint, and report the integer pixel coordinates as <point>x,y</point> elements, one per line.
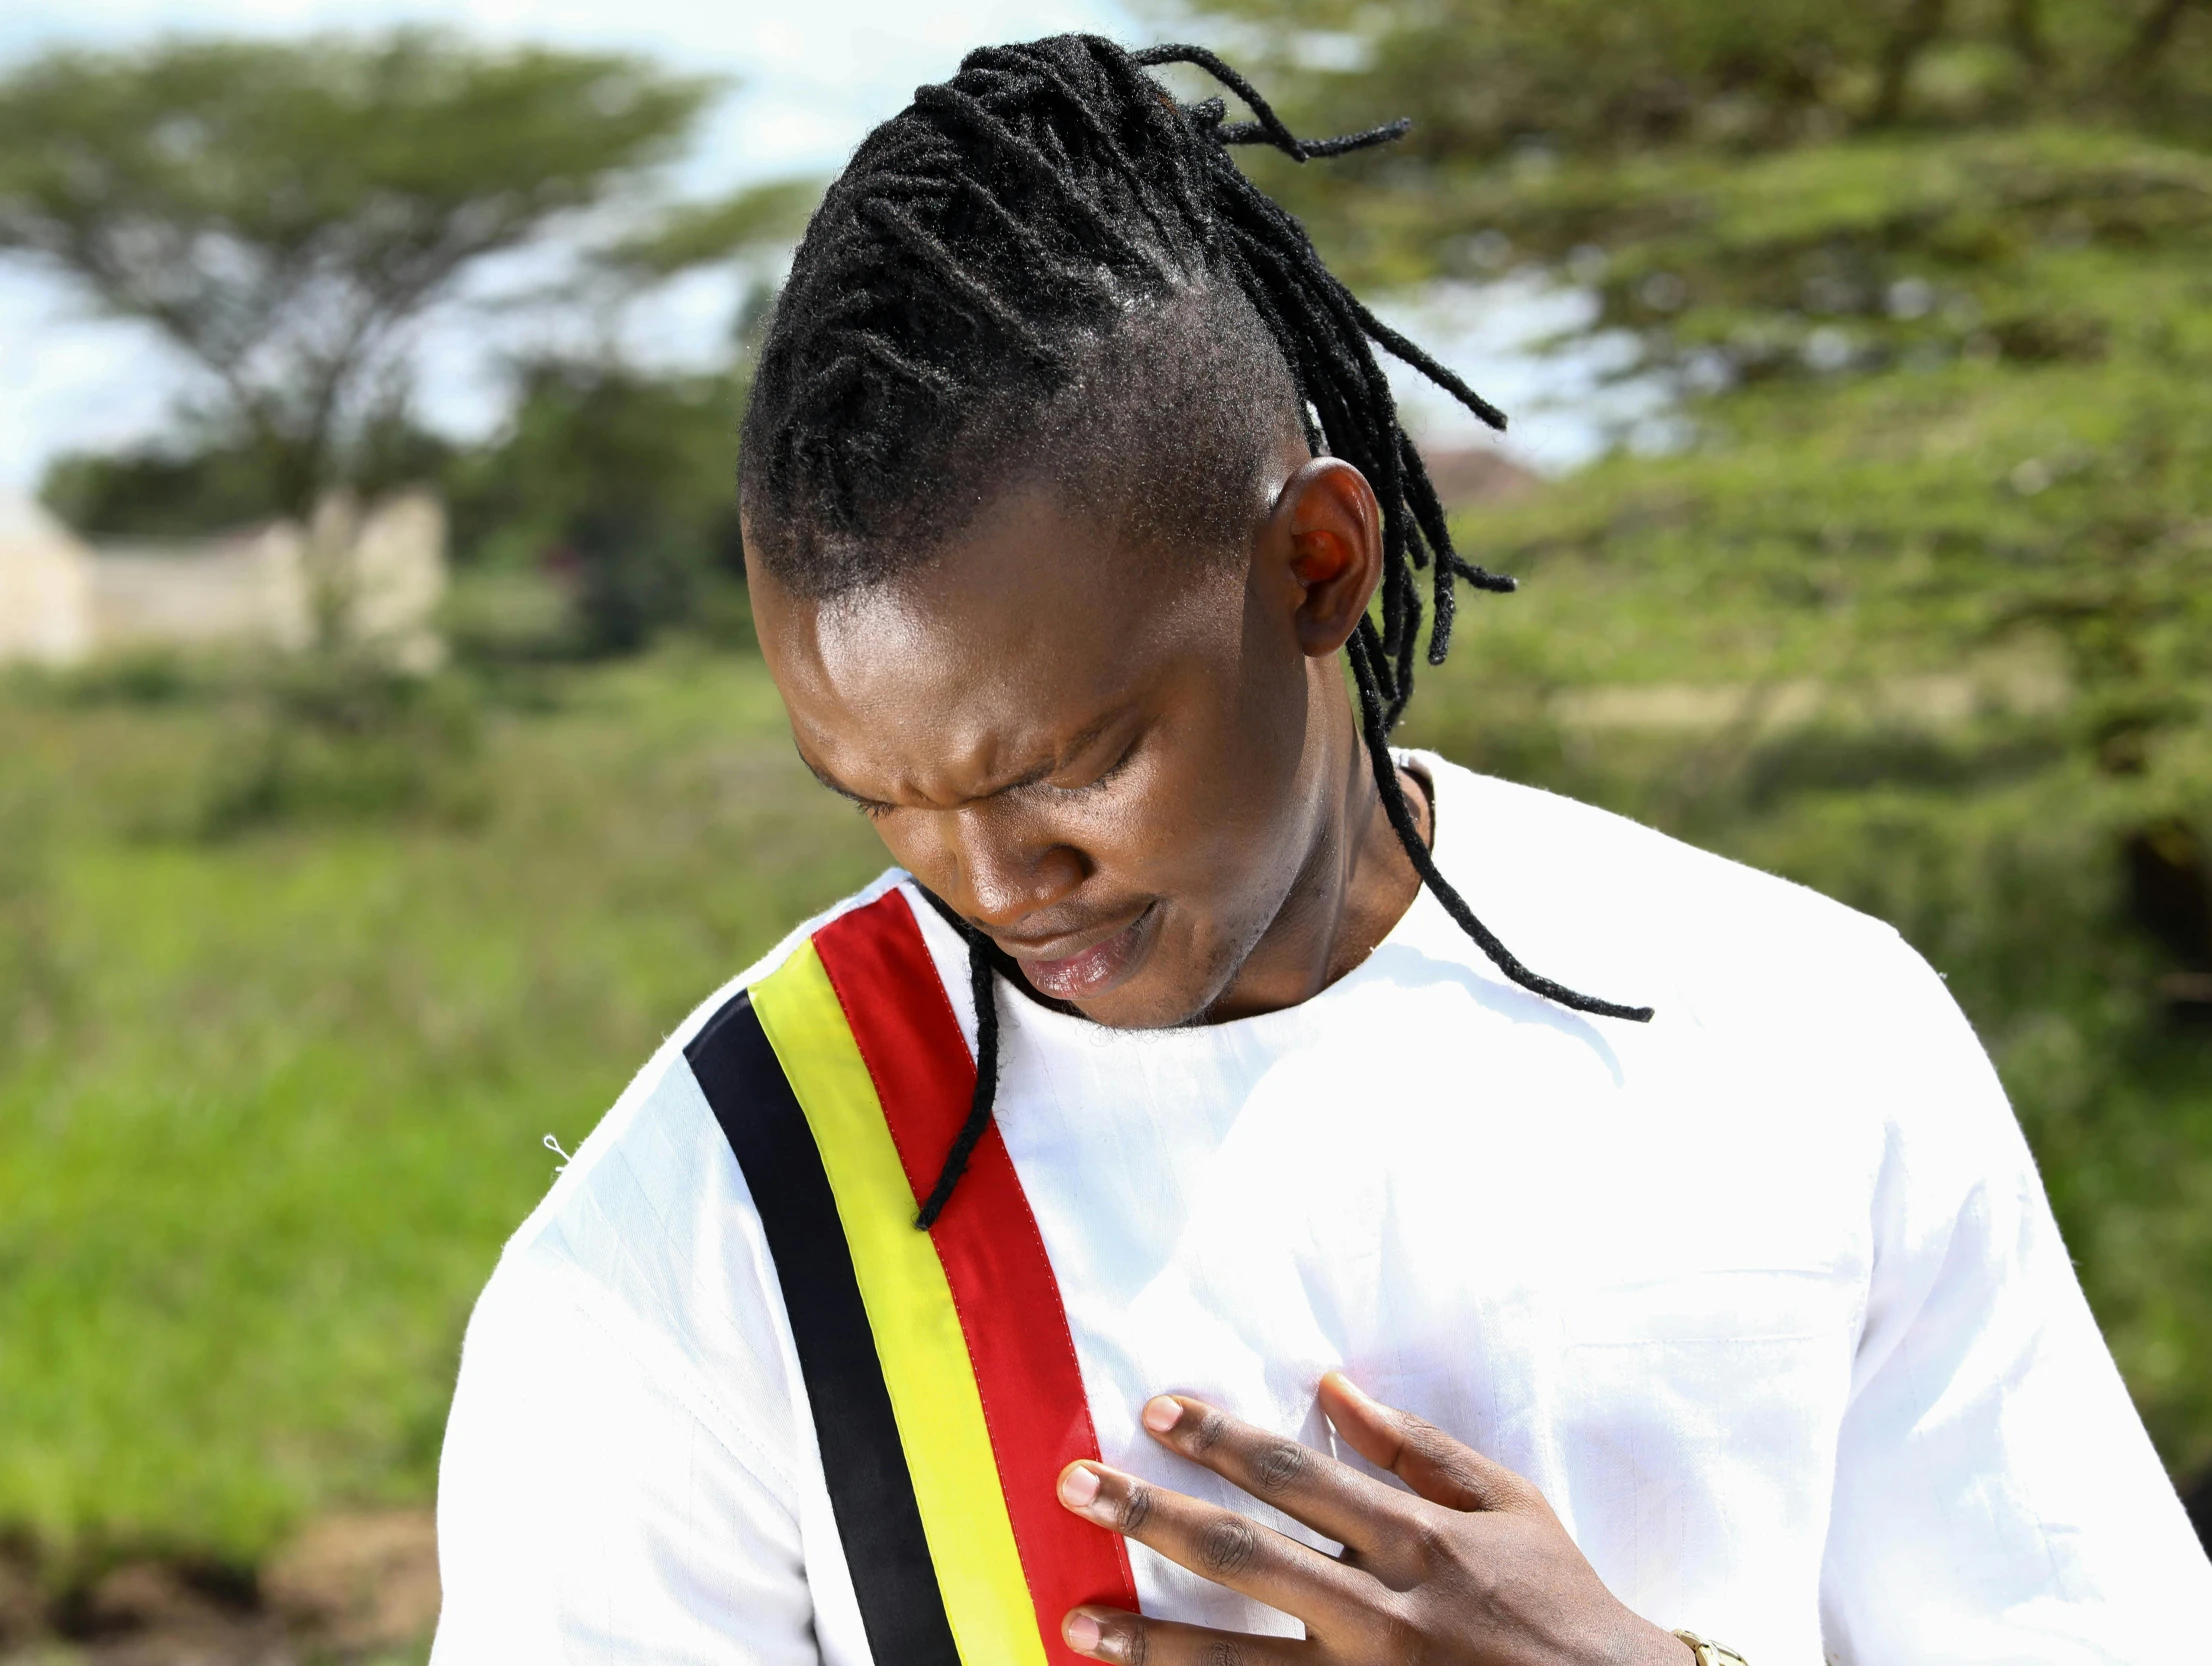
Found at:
<point>1078,1486</point>
<point>1082,1632</point>
<point>1351,1390</point>
<point>1162,1414</point>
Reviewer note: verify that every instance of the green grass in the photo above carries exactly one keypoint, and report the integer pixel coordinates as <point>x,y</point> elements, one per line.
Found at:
<point>270,1103</point>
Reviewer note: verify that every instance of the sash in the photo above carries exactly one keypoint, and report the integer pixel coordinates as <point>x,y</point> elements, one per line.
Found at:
<point>938,1365</point>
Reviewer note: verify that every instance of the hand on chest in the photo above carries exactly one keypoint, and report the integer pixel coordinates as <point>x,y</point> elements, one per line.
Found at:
<point>1626,1290</point>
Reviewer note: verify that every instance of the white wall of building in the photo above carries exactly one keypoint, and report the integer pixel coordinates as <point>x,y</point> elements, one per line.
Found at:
<point>381,573</point>
<point>45,588</point>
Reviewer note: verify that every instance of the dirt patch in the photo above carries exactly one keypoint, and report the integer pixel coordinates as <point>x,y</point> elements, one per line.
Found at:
<point>359,1582</point>
<point>351,1588</point>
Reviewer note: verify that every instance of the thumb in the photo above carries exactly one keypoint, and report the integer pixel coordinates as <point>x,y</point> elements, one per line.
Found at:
<point>1424,1457</point>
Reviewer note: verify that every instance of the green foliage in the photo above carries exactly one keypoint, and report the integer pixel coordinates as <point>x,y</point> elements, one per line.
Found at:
<point>751,221</point>
<point>34,984</point>
<point>281,212</point>
<point>626,483</point>
<point>341,738</point>
<point>284,212</point>
<point>159,492</point>
<point>196,482</point>
<point>1486,80</point>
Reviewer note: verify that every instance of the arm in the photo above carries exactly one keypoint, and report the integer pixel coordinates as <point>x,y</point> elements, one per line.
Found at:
<point>587,1511</point>
<point>1996,1497</point>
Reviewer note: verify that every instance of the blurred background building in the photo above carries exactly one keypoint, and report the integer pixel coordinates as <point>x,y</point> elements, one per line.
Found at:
<point>373,576</point>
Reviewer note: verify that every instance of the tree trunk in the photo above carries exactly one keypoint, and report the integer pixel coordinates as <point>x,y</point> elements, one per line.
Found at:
<point>1917,30</point>
<point>2151,37</point>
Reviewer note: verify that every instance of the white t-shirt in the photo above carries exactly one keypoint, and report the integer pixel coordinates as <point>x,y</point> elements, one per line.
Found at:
<point>1764,1295</point>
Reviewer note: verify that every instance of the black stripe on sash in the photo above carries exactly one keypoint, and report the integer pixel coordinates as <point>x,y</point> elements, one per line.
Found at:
<point>870,1490</point>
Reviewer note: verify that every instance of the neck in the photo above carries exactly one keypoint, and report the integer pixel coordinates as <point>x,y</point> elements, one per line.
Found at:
<point>1353,888</point>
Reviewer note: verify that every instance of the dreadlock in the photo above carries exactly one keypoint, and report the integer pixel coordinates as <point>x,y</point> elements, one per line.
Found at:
<point>962,294</point>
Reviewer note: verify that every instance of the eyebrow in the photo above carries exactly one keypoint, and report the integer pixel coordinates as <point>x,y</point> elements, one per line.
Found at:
<point>1077,743</point>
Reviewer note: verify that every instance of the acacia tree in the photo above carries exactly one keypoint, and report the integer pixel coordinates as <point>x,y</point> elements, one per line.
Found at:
<point>283,213</point>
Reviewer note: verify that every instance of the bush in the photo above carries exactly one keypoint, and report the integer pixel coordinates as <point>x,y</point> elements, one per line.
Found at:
<point>347,740</point>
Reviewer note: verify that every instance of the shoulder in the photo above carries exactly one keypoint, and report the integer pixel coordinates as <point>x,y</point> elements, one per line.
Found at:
<point>1738,963</point>
<point>649,1244</point>
<point>1598,884</point>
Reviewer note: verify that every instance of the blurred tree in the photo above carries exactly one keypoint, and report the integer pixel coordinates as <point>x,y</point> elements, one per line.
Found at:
<point>1486,79</point>
<point>622,483</point>
<point>742,227</point>
<point>283,212</point>
<point>1925,281</point>
<point>159,491</point>
<point>201,480</point>
<point>623,480</point>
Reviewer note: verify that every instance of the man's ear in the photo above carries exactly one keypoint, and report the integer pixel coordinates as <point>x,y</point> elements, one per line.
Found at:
<point>1326,528</point>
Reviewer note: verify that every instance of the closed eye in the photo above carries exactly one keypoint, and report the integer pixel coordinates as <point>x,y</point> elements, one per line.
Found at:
<point>1037,780</point>
<point>1106,776</point>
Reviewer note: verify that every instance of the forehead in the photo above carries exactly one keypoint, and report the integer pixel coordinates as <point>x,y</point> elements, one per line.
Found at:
<point>992,654</point>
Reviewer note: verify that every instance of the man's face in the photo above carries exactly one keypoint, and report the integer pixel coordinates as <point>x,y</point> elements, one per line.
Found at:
<point>1107,760</point>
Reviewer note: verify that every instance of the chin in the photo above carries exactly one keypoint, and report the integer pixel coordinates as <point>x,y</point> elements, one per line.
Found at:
<point>1163,997</point>
<point>1134,1008</point>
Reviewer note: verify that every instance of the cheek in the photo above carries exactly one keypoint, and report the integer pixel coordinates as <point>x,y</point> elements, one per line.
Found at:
<point>1261,747</point>
<point>1214,804</point>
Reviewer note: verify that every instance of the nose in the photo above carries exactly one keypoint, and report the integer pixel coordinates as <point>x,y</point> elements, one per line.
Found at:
<point>1007,871</point>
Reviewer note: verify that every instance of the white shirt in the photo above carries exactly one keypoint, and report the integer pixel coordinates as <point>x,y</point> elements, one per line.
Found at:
<point>1764,1295</point>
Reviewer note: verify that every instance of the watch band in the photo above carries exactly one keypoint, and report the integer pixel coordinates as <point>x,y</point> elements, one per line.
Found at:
<point>1710,1653</point>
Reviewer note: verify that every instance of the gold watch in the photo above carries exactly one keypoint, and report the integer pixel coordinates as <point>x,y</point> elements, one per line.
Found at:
<point>1711,1654</point>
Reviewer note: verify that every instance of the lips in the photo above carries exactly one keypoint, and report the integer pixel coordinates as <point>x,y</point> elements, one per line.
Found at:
<point>1091,970</point>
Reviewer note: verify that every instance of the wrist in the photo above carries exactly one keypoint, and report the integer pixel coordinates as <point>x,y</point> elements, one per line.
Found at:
<point>1650,1645</point>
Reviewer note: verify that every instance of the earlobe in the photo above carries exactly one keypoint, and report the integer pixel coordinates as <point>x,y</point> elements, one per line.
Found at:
<point>1334,530</point>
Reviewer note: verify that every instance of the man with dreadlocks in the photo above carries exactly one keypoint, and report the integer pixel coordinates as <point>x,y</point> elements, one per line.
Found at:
<point>1161,1221</point>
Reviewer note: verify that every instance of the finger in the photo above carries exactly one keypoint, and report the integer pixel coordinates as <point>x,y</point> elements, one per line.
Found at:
<point>1424,1457</point>
<point>1216,1544</point>
<point>1131,1639</point>
<point>1332,1498</point>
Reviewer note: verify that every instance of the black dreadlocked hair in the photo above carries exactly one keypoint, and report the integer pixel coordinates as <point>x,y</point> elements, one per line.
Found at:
<point>981,295</point>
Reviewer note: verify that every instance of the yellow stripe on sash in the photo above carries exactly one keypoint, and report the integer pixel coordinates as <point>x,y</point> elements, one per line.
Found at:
<point>910,1310</point>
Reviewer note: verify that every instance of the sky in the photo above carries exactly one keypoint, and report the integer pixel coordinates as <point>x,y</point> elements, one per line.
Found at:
<point>809,79</point>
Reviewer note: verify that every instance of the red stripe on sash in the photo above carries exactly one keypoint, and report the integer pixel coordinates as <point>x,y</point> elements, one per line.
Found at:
<point>1002,1283</point>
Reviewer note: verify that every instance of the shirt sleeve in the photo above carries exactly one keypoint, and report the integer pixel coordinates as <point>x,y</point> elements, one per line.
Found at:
<point>1996,1497</point>
<point>587,1510</point>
